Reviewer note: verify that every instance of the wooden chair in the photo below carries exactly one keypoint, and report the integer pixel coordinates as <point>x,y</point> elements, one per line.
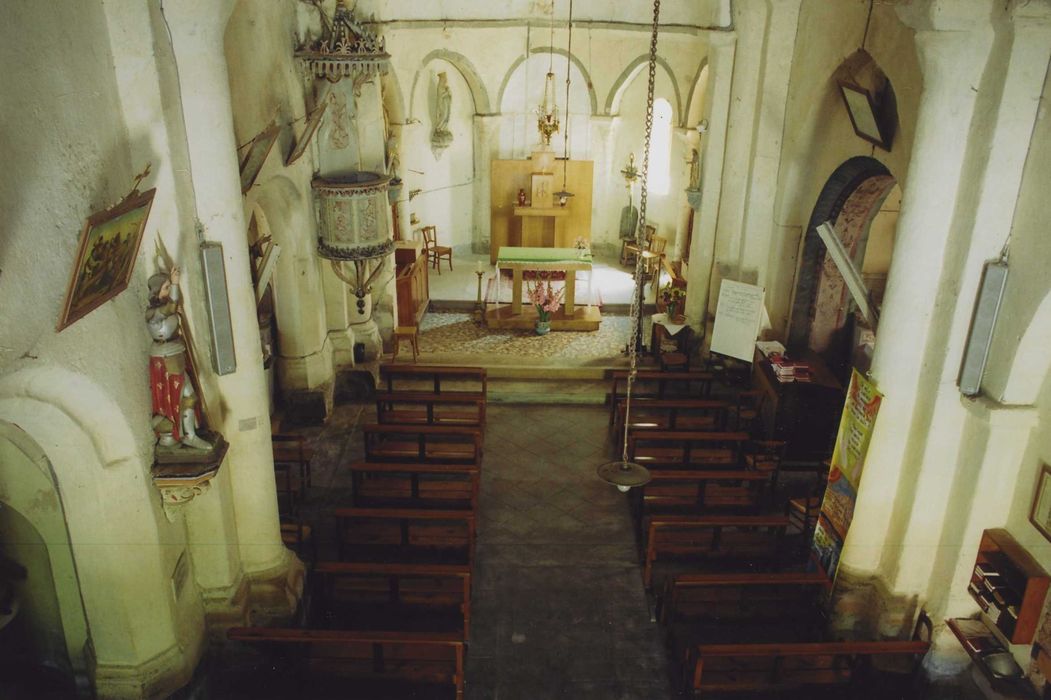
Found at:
<point>436,253</point>
<point>629,249</point>
<point>651,260</point>
<point>409,333</point>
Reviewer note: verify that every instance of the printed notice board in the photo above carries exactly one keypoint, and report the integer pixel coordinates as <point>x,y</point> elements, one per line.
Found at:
<point>737,319</point>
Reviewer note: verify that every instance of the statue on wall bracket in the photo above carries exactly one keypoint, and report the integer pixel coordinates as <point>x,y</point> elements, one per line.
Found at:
<point>176,410</point>
<point>441,137</point>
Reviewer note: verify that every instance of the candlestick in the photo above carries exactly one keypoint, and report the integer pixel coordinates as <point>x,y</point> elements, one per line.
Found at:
<point>479,311</point>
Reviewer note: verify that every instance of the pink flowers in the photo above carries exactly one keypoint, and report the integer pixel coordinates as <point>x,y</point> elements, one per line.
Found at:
<point>544,297</point>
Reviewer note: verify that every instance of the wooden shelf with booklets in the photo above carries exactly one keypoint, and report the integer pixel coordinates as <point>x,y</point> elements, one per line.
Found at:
<point>1009,585</point>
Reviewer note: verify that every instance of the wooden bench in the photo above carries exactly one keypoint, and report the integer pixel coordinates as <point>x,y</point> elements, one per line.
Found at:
<point>439,379</point>
<point>743,607</point>
<point>292,455</point>
<point>687,449</point>
<point>426,444</point>
<point>412,485</point>
<point>404,535</point>
<point>379,664</point>
<point>429,408</point>
<point>734,668</point>
<point>671,414</point>
<point>394,597</point>
<point>754,541</point>
<point>657,384</point>
<point>678,491</point>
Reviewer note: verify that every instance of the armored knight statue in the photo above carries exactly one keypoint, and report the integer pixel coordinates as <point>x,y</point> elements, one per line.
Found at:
<point>174,399</point>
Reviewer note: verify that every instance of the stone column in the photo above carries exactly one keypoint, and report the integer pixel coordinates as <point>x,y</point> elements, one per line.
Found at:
<point>721,52</point>
<point>197,38</point>
<point>486,136</point>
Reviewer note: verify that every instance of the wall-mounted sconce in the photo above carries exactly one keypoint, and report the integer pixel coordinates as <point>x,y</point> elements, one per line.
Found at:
<point>413,194</point>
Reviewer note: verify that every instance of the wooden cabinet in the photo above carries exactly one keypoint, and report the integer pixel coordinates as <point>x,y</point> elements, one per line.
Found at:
<point>411,282</point>
<point>803,414</point>
<point>1009,585</point>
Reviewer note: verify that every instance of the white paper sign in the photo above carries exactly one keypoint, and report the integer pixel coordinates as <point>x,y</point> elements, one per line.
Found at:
<point>737,319</point>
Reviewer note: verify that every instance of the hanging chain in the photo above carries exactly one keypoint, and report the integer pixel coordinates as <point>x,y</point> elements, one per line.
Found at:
<point>640,236</point>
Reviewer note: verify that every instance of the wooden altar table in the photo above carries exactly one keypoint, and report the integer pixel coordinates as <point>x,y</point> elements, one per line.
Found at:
<point>566,260</point>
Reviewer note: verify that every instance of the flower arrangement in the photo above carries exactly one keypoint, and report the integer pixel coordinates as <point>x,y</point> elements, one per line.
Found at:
<point>546,300</point>
<point>671,294</point>
<point>583,246</point>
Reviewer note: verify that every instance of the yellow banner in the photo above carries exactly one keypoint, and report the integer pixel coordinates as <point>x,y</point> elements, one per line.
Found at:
<point>855,428</point>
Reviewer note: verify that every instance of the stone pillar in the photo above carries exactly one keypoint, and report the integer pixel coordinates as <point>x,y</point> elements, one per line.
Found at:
<point>486,142</point>
<point>722,48</point>
<point>914,322</point>
<point>197,38</point>
<point>338,309</point>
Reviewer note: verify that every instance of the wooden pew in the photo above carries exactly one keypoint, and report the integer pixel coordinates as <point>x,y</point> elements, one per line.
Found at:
<point>679,491</point>
<point>657,384</point>
<point>426,444</point>
<point>686,449</point>
<point>671,414</point>
<point>292,455</point>
<point>429,408</point>
<point>744,540</point>
<point>378,664</point>
<point>740,607</point>
<point>394,597</point>
<point>412,485</point>
<point>745,668</point>
<point>439,379</point>
<point>403,535</point>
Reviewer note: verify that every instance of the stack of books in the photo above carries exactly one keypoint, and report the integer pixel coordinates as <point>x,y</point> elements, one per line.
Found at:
<point>785,370</point>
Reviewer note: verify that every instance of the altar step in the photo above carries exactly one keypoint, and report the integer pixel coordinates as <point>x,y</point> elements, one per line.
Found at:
<point>563,391</point>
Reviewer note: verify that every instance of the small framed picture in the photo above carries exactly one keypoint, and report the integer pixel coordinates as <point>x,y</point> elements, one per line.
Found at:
<point>105,256</point>
<point>1040,513</point>
<point>862,111</point>
<point>313,122</point>
<point>258,150</point>
<point>543,186</point>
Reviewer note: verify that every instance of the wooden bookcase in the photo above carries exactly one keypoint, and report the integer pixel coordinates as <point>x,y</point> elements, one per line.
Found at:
<point>1009,585</point>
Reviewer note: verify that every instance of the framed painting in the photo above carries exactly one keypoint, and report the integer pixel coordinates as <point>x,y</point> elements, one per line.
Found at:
<point>862,111</point>
<point>105,256</point>
<point>313,122</point>
<point>258,150</point>
<point>1040,512</point>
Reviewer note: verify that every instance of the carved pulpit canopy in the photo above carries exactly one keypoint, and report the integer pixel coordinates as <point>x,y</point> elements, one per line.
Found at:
<point>346,48</point>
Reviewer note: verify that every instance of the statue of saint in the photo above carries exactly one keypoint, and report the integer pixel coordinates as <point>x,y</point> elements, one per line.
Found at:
<point>441,137</point>
<point>695,170</point>
<point>174,399</point>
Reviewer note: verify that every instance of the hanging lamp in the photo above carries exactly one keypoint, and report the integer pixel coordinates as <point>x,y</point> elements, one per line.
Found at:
<point>564,194</point>
<point>547,114</point>
<point>623,473</point>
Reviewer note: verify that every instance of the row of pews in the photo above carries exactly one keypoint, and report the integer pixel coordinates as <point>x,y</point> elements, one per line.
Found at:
<point>387,613</point>
<point>724,538</point>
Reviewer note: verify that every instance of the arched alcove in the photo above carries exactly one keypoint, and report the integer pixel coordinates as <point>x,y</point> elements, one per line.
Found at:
<point>632,72</point>
<point>523,93</point>
<point>141,630</point>
<point>821,313</point>
<point>49,633</point>
<point>481,103</point>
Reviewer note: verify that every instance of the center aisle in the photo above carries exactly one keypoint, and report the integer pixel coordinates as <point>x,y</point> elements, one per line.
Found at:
<point>558,609</point>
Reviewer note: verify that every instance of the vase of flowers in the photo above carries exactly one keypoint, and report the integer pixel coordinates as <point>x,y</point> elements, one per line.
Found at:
<point>673,298</point>
<point>547,301</point>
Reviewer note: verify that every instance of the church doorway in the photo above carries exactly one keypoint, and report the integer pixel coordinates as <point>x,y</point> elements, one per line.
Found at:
<point>43,630</point>
<point>862,200</point>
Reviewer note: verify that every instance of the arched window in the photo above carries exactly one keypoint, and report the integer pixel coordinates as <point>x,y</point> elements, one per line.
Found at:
<point>659,179</point>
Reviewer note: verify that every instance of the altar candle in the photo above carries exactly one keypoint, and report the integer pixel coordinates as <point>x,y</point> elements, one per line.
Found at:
<point>478,266</point>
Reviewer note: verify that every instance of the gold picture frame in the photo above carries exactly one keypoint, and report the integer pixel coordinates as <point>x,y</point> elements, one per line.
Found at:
<point>254,159</point>
<point>313,122</point>
<point>1040,511</point>
<point>105,256</point>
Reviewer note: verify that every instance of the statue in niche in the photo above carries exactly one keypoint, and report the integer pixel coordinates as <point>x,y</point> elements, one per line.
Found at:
<point>695,170</point>
<point>175,407</point>
<point>393,157</point>
<point>339,134</point>
<point>441,137</point>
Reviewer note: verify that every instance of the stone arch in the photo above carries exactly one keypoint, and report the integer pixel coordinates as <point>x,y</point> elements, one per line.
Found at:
<point>30,489</point>
<point>100,470</point>
<point>850,198</point>
<point>592,95</point>
<point>628,75</point>
<point>393,97</point>
<point>696,92</point>
<point>1031,359</point>
<point>479,93</point>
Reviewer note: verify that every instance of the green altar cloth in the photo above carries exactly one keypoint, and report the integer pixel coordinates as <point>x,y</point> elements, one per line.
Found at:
<point>512,254</point>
